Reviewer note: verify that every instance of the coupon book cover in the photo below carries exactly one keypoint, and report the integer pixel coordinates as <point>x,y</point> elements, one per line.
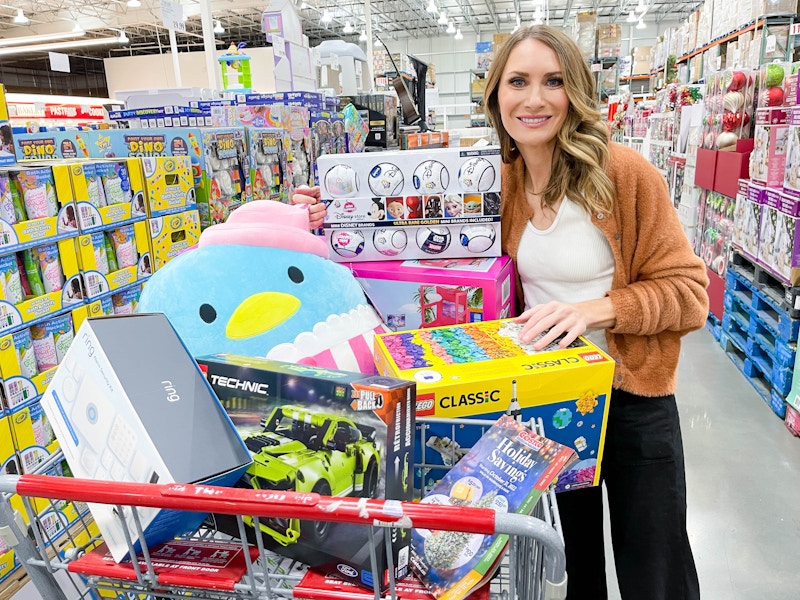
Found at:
<point>507,470</point>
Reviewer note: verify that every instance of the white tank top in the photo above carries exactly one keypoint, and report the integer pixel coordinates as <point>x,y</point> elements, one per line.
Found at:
<point>571,261</point>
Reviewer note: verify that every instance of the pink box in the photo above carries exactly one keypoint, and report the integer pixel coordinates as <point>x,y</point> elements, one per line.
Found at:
<point>428,293</point>
<point>768,159</point>
<point>747,220</point>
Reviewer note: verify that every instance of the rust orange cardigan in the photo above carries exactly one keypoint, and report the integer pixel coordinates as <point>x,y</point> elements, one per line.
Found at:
<point>659,284</point>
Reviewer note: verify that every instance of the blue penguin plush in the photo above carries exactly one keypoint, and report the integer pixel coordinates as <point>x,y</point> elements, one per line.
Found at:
<point>261,284</point>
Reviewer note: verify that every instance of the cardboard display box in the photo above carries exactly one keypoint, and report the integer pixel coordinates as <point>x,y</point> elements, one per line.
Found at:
<point>314,429</point>
<point>428,293</point>
<point>478,369</point>
<point>128,403</point>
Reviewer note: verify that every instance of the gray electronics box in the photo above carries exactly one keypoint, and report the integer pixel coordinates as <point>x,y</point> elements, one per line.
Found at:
<point>129,403</point>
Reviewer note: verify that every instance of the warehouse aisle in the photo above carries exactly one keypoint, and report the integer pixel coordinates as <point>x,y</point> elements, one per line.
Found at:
<point>743,477</point>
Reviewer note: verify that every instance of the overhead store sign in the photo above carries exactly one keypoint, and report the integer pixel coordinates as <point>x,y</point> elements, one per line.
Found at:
<point>56,111</point>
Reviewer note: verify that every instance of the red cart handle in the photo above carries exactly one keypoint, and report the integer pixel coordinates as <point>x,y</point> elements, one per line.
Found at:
<point>257,503</point>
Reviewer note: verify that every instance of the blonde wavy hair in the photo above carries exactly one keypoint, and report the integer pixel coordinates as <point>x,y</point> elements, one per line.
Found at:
<point>581,157</point>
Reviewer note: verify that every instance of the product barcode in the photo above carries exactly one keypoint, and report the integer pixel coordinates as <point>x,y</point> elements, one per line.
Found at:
<point>17,393</point>
<point>87,216</point>
<point>94,284</point>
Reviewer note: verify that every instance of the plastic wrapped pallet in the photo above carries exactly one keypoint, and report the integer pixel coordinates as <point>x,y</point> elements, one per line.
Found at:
<point>584,33</point>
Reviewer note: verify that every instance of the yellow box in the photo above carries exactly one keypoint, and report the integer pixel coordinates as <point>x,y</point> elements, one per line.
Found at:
<point>19,389</point>
<point>90,251</point>
<point>42,229</point>
<point>169,185</point>
<point>76,181</point>
<point>498,39</point>
<point>8,562</point>
<point>36,308</point>
<point>33,437</point>
<point>478,86</point>
<point>172,234</point>
<point>474,369</point>
<point>8,455</point>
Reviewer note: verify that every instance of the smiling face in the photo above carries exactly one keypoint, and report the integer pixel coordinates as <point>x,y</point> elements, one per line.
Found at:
<point>531,96</point>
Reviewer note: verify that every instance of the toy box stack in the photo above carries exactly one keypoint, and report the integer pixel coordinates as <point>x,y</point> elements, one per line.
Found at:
<point>354,435</point>
<point>482,369</point>
<point>439,203</point>
<point>428,293</point>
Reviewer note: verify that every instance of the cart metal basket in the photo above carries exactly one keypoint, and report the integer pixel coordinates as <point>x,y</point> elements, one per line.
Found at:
<point>533,568</point>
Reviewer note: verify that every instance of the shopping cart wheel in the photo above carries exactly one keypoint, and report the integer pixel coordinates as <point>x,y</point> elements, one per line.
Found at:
<point>370,487</point>
<point>316,532</point>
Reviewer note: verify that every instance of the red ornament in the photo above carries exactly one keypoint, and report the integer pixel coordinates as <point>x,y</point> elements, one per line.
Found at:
<point>738,80</point>
<point>731,121</point>
<point>773,96</point>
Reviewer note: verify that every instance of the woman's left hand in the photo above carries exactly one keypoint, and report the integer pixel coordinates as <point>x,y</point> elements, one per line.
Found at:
<point>554,318</point>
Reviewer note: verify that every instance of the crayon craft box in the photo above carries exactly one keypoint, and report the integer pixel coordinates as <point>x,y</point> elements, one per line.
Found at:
<point>478,369</point>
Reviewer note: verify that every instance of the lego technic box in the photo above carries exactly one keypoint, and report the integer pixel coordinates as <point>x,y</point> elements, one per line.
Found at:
<point>319,430</point>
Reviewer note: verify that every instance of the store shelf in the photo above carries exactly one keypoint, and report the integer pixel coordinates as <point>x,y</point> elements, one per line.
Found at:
<point>635,78</point>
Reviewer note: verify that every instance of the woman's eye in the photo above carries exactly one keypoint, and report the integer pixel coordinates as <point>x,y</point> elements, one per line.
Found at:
<point>555,82</point>
<point>517,82</point>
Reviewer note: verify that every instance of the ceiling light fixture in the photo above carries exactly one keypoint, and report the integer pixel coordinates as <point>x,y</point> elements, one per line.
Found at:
<point>538,16</point>
<point>20,18</point>
<point>134,4</point>
<point>326,17</point>
<point>631,17</point>
<point>442,17</point>
<point>363,36</point>
<point>642,6</point>
<point>77,29</point>
<point>104,41</point>
<point>348,28</point>
<point>450,28</point>
<point>35,39</point>
<point>218,28</point>
<point>432,7</point>
<point>641,23</point>
<point>459,35</point>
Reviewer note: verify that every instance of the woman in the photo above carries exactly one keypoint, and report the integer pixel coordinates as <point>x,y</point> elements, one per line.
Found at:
<point>599,252</point>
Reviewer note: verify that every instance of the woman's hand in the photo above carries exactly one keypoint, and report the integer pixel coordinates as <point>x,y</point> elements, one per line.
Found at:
<point>310,196</point>
<point>557,318</point>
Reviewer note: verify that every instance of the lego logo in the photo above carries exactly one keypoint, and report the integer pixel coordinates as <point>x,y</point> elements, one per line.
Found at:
<point>426,406</point>
<point>593,357</point>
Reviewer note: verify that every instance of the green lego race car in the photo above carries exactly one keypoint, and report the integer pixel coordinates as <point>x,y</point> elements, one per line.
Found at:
<point>306,451</point>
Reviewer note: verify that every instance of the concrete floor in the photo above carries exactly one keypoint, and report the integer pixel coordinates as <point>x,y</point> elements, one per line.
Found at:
<point>743,480</point>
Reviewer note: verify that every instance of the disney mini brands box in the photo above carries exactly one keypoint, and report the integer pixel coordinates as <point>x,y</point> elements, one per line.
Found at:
<point>479,370</point>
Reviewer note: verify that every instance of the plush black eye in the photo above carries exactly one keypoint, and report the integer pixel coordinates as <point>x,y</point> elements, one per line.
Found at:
<point>296,275</point>
<point>207,313</point>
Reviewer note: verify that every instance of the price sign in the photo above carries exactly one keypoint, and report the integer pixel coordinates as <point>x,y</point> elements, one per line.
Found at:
<point>596,67</point>
<point>172,16</point>
<point>769,46</point>
<point>278,46</point>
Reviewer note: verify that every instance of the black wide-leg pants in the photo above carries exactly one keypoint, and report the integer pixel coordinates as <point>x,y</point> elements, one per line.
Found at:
<point>643,471</point>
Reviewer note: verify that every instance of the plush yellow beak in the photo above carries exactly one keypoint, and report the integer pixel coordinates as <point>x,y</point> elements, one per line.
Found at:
<point>259,313</point>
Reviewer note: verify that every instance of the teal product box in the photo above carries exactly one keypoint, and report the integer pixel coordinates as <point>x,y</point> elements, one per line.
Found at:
<point>333,432</point>
<point>140,420</point>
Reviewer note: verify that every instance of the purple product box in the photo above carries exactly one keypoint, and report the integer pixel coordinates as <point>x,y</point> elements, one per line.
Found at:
<point>772,197</point>
<point>756,192</point>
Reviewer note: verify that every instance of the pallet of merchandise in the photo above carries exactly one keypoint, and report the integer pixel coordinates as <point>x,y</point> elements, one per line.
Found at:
<point>733,344</point>
<point>785,296</point>
<point>714,326</point>
<point>14,582</point>
<point>770,312</point>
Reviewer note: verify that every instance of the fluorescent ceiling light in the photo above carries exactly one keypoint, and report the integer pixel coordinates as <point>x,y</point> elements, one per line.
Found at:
<point>326,17</point>
<point>641,25</point>
<point>104,41</point>
<point>631,17</point>
<point>451,28</point>
<point>363,36</point>
<point>218,28</point>
<point>348,28</point>
<point>123,39</point>
<point>459,35</point>
<point>20,18</point>
<point>442,17</point>
<point>35,39</point>
<point>134,4</point>
<point>432,7</point>
<point>78,29</point>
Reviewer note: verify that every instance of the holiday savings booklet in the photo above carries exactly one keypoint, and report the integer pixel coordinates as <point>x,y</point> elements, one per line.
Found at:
<point>508,470</point>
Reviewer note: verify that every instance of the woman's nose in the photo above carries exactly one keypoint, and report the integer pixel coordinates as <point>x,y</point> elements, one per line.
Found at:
<point>534,96</point>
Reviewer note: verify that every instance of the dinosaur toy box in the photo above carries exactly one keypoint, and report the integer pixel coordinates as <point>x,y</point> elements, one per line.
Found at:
<point>482,370</point>
<point>412,294</point>
<point>320,430</point>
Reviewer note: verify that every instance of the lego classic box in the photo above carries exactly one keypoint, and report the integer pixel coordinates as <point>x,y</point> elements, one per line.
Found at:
<point>428,293</point>
<point>128,403</point>
<point>482,369</point>
<point>320,430</point>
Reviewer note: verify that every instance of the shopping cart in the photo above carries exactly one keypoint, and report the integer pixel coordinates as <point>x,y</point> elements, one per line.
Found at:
<point>533,569</point>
